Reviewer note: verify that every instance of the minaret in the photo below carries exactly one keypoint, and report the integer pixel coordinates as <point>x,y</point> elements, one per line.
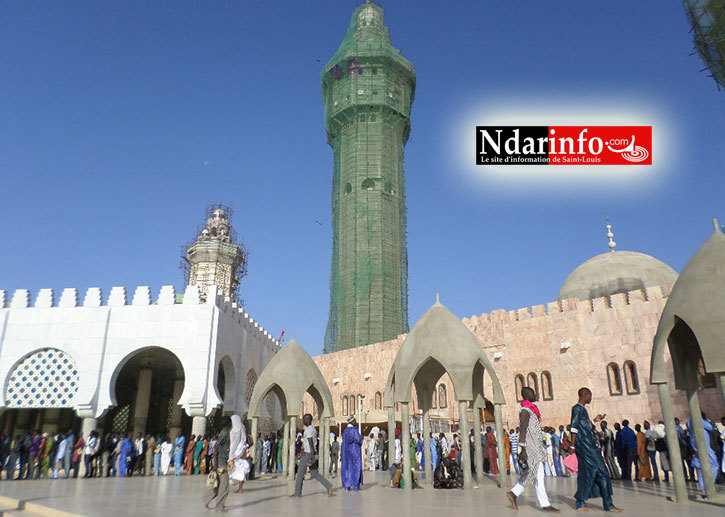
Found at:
<point>368,90</point>
<point>215,257</point>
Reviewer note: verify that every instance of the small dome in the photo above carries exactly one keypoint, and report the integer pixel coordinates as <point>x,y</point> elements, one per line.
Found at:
<point>616,272</point>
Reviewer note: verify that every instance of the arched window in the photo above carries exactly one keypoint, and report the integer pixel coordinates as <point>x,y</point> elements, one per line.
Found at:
<point>533,383</point>
<point>442,397</point>
<point>614,378</point>
<point>519,385</point>
<point>368,184</point>
<point>630,377</point>
<point>378,400</point>
<point>46,378</point>
<point>251,381</point>
<point>434,403</point>
<point>345,406</point>
<point>706,379</point>
<point>547,391</point>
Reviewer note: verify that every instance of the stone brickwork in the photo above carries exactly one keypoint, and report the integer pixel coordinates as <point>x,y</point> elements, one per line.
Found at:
<point>573,340</point>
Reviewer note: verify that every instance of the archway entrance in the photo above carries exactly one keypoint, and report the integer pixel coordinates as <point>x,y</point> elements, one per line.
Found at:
<point>146,390</point>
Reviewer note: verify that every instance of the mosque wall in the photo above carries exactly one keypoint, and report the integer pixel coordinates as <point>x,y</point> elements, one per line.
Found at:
<point>574,341</point>
<point>92,340</point>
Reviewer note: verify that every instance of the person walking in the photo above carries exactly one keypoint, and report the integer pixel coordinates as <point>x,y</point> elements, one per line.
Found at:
<point>532,455</point>
<point>607,442</point>
<point>334,455</point>
<point>220,491</point>
<point>238,449</point>
<point>351,457</point>
<point>514,440</point>
<point>592,477</point>
<point>372,452</point>
<point>307,457</point>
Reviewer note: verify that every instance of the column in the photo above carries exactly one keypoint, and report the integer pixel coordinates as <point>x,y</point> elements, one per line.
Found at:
<point>325,455</point>
<point>198,425</point>
<point>466,448</point>
<point>141,407</point>
<point>175,428</point>
<point>405,424</point>
<point>291,454</point>
<point>322,444</point>
<point>702,449</point>
<point>426,448</point>
<point>88,425</point>
<point>477,447</point>
<point>50,423</point>
<point>285,449</point>
<point>10,422</point>
<point>255,431</point>
<point>391,435</point>
<point>673,446</point>
<point>501,446</point>
<point>22,422</point>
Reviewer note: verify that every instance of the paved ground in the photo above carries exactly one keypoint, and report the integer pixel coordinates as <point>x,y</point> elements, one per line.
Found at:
<point>110,497</point>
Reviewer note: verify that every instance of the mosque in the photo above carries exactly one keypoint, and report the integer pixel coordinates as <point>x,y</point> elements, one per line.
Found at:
<point>136,361</point>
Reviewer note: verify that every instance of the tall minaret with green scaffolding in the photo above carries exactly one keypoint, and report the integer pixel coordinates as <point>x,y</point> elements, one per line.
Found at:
<point>368,89</point>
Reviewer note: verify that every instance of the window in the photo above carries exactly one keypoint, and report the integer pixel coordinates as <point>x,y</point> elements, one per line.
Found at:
<point>519,385</point>
<point>362,117</point>
<point>547,391</point>
<point>345,406</point>
<point>368,184</point>
<point>348,188</point>
<point>706,379</point>
<point>251,381</point>
<point>378,400</point>
<point>630,377</point>
<point>442,397</point>
<point>372,117</point>
<point>614,378</point>
<point>533,383</point>
<point>434,404</point>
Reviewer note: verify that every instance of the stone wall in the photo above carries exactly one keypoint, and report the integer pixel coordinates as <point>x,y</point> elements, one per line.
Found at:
<point>573,340</point>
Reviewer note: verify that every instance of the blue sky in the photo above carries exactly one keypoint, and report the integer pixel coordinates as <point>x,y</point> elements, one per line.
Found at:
<point>121,121</point>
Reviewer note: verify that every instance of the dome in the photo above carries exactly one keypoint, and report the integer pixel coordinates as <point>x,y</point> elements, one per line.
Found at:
<point>616,272</point>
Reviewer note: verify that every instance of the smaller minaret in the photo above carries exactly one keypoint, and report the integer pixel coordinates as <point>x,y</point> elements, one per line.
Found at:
<point>216,257</point>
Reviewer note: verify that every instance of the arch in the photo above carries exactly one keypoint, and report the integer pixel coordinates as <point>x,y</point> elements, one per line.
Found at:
<point>227,383</point>
<point>547,389</point>
<point>630,377</point>
<point>614,379</point>
<point>378,400</point>
<point>345,406</point>
<point>44,378</point>
<point>249,383</point>
<point>518,386</point>
<point>368,184</point>
<point>442,396</point>
<point>139,353</point>
<point>533,382</point>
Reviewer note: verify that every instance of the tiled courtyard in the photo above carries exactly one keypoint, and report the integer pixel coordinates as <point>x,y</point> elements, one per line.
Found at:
<point>172,496</point>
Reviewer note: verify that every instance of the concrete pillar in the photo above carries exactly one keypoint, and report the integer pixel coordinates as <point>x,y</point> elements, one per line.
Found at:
<point>325,448</point>
<point>50,423</point>
<point>391,436</point>
<point>10,422</point>
<point>477,446</point>
<point>426,448</point>
<point>38,419</point>
<point>255,444</point>
<point>285,449</point>
<point>405,445</point>
<point>501,446</point>
<point>141,407</point>
<point>89,424</point>
<point>466,448</point>
<point>175,428</point>
<point>198,426</point>
<point>291,454</point>
<point>22,422</point>
<point>673,445</point>
<point>702,449</point>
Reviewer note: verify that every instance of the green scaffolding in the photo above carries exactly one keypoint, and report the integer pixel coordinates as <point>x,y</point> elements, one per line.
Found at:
<point>368,89</point>
<point>707,19</point>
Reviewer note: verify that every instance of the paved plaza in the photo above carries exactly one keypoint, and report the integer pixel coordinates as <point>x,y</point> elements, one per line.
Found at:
<point>180,496</point>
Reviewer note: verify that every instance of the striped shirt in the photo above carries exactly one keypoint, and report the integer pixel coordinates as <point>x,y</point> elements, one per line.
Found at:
<point>514,439</point>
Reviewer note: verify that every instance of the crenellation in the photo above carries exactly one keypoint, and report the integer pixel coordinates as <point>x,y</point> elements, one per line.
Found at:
<point>69,297</point>
<point>45,299</point>
<point>553,308</point>
<point>570,304</point>
<point>117,298</point>
<point>192,296</point>
<point>142,296</point>
<point>167,295</point>
<point>538,311</point>
<point>21,299</point>
<point>92,299</point>
<point>636,296</point>
<point>618,300</point>
<point>654,293</point>
<point>523,314</point>
<point>599,304</point>
<point>3,299</point>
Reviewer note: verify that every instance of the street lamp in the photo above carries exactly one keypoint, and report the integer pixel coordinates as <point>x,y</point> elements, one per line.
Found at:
<point>359,412</point>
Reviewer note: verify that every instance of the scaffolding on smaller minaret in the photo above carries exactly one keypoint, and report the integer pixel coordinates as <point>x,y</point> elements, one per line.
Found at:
<point>215,256</point>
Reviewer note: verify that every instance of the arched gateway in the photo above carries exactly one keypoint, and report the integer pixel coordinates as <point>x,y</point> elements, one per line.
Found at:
<point>440,343</point>
<point>692,325</point>
<point>290,374</point>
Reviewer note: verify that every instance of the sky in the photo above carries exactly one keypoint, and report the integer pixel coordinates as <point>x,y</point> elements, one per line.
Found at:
<point>121,121</point>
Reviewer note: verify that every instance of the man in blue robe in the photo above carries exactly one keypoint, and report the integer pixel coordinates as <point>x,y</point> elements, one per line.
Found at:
<point>433,452</point>
<point>592,477</point>
<point>124,455</point>
<point>178,453</point>
<point>695,461</point>
<point>351,461</point>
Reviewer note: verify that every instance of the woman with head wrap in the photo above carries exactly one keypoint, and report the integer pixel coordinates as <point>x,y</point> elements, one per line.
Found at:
<point>237,452</point>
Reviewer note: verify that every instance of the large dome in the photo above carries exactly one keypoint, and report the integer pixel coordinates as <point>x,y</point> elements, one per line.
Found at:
<point>616,272</point>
